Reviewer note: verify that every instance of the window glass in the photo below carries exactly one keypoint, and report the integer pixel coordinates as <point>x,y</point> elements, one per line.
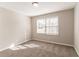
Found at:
<point>48,25</point>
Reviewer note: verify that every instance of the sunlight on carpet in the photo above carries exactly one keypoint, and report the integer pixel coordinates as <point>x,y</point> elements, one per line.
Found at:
<point>24,46</point>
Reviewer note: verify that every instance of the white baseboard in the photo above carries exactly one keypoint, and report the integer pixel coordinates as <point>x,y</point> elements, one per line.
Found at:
<point>16,44</point>
<point>4,49</point>
<point>23,42</point>
<point>55,43</point>
<point>76,51</point>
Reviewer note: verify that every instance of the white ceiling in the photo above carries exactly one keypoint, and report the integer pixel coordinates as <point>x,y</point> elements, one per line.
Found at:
<point>44,7</point>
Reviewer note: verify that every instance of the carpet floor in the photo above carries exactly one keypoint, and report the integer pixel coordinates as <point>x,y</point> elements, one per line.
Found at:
<point>39,49</point>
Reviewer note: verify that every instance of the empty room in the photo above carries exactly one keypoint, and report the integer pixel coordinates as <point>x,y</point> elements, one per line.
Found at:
<point>39,29</point>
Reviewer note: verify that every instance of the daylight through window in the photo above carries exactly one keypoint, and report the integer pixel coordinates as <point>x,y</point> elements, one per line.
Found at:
<point>48,25</point>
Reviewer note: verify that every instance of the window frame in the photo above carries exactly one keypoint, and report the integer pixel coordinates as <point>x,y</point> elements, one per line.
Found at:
<point>45,32</point>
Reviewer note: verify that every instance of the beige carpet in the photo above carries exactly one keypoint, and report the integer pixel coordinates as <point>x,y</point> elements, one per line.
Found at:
<point>39,49</point>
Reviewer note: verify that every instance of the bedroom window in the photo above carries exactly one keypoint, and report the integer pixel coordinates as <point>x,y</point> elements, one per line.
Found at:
<point>48,26</point>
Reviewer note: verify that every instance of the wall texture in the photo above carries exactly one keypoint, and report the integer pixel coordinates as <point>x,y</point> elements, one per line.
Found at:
<point>76,28</point>
<point>14,28</point>
<point>66,28</point>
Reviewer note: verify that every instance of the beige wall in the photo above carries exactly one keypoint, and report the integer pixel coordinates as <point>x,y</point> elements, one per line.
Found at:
<point>66,28</point>
<point>76,28</point>
<point>14,28</point>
